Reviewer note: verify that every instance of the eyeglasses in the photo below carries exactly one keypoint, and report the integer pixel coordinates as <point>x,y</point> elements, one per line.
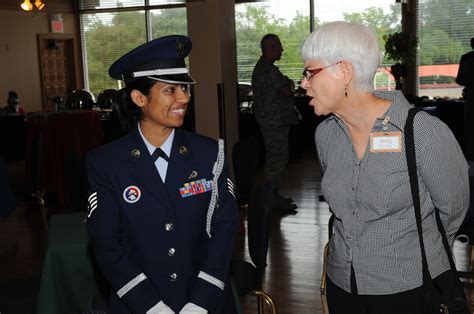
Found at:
<point>309,73</point>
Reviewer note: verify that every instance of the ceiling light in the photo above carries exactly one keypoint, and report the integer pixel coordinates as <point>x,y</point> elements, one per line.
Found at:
<point>26,5</point>
<point>39,4</point>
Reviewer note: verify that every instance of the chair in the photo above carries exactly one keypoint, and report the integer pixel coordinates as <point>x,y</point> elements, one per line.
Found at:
<point>245,163</point>
<point>247,277</point>
<point>80,99</point>
<point>322,288</point>
<point>325,257</point>
<point>105,100</point>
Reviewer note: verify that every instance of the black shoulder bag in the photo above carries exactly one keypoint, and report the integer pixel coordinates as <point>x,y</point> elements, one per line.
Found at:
<point>451,299</point>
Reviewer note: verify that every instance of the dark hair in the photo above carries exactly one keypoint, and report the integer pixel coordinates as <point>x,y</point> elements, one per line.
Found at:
<point>266,39</point>
<point>124,109</point>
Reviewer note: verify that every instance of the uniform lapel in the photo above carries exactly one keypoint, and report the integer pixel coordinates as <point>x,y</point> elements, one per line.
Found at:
<point>143,171</point>
<point>180,165</point>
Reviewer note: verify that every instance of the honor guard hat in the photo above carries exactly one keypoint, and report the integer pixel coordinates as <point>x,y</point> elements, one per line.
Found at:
<point>161,59</point>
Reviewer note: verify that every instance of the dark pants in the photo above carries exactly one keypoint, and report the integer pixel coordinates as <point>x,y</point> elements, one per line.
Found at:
<point>406,302</point>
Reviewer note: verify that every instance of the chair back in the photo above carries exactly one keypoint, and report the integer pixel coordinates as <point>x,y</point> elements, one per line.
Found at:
<point>245,163</point>
<point>80,99</point>
<point>259,224</point>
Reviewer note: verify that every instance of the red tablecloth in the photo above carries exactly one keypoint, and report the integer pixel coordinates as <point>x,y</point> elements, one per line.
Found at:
<point>64,135</point>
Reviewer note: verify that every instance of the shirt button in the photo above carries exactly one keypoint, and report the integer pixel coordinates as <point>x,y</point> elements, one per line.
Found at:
<point>173,277</point>
<point>348,237</point>
<point>353,212</point>
<point>169,226</point>
<point>171,251</point>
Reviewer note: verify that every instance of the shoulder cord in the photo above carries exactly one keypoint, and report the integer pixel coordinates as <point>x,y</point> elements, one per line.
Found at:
<point>216,171</point>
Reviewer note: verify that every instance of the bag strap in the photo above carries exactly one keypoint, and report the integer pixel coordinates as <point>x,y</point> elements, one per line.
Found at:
<point>412,172</point>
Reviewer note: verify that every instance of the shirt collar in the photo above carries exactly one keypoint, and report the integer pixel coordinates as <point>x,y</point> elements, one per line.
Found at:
<point>166,146</point>
<point>397,110</point>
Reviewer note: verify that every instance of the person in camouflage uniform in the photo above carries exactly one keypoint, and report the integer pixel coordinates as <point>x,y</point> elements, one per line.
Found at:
<point>274,111</point>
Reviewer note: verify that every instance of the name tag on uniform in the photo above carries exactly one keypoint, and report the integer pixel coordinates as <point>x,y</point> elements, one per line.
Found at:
<point>385,142</point>
<point>195,188</point>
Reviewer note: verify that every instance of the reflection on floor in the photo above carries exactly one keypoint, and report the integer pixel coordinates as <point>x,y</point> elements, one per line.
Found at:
<point>294,261</point>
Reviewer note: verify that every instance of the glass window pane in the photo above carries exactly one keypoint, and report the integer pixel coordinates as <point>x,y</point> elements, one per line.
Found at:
<point>445,28</point>
<point>168,21</point>
<point>109,4</point>
<point>157,2</point>
<point>384,16</point>
<point>289,19</point>
<point>106,37</point>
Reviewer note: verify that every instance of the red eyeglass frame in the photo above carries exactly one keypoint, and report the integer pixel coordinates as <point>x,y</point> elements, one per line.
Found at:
<point>308,74</point>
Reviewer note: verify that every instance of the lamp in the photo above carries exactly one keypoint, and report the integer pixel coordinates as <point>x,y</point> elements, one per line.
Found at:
<point>39,4</point>
<point>26,5</point>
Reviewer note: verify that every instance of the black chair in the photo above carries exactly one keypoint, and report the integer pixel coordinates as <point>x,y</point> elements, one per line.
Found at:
<point>245,163</point>
<point>247,277</point>
<point>80,99</point>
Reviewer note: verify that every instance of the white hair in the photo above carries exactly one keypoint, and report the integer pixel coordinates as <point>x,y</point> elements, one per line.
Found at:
<point>338,41</point>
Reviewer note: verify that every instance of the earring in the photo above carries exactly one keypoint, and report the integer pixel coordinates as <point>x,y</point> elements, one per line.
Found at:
<point>345,90</point>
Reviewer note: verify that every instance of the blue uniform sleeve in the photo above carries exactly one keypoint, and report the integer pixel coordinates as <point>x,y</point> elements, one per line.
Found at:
<point>214,271</point>
<point>105,229</point>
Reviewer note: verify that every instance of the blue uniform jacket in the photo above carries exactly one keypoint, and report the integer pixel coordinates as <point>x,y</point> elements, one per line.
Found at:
<point>156,248</point>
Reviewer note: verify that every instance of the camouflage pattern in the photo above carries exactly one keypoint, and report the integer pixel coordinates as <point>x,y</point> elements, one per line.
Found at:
<point>274,114</point>
<point>276,147</point>
<point>270,108</point>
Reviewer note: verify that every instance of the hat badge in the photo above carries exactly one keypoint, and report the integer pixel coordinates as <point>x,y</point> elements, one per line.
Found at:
<point>183,150</point>
<point>136,153</point>
<point>180,48</point>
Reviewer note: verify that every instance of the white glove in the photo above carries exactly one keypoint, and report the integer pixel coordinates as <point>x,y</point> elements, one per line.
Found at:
<point>160,308</point>
<point>191,308</point>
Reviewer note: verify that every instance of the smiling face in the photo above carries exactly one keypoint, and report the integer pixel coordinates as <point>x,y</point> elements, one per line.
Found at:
<point>165,105</point>
<point>326,88</point>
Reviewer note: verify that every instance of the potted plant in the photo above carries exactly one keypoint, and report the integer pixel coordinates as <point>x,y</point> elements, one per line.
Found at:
<point>400,47</point>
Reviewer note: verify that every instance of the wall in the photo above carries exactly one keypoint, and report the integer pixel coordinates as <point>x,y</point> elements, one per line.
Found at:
<point>213,61</point>
<point>19,60</point>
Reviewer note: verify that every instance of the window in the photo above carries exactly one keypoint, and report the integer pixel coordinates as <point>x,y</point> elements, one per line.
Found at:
<point>445,29</point>
<point>290,20</point>
<point>111,28</point>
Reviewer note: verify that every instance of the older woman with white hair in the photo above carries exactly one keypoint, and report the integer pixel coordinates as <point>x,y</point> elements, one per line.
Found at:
<point>375,263</point>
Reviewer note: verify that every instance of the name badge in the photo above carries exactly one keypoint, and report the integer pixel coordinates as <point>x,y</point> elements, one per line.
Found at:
<point>385,142</point>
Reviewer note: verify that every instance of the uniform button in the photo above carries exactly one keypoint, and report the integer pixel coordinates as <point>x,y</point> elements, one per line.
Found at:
<point>169,226</point>
<point>173,277</point>
<point>171,251</point>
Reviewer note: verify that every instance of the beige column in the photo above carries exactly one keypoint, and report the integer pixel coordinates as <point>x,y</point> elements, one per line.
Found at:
<point>213,64</point>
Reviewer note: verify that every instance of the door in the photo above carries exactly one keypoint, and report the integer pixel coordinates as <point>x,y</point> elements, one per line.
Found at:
<point>58,71</point>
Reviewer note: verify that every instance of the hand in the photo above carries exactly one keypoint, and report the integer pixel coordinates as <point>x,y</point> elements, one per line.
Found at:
<point>160,308</point>
<point>191,308</point>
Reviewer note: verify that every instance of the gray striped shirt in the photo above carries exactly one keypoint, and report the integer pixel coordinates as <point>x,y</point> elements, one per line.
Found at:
<point>375,227</point>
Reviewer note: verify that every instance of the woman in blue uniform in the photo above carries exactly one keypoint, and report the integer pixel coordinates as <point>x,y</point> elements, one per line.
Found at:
<point>162,213</point>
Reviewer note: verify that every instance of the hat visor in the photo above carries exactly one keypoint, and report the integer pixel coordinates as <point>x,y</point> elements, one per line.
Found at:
<point>184,79</point>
